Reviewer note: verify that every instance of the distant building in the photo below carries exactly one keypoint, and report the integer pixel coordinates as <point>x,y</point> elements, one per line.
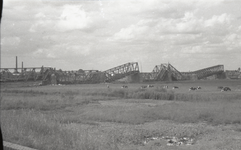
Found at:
<point>53,79</point>
<point>211,77</point>
<point>233,74</point>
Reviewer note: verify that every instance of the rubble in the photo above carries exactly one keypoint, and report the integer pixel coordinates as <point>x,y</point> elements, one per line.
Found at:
<point>171,141</point>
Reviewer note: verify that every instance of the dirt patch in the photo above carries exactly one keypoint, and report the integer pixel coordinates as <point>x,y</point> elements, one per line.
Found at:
<point>172,136</point>
<point>135,102</point>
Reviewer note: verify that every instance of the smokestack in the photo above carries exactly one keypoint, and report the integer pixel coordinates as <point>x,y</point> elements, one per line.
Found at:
<point>22,66</point>
<point>16,63</point>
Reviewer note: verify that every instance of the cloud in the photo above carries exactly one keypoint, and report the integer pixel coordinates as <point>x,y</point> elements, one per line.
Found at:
<point>110,33</point>
<point>64,50</point>
<point>177,30</point>
<point>79,50</point>
<point>67,17</point>
<point>41,25</point>
<point>72,18</point>
<point>215,20</point>
<point>132,32</point>
<point>10,41</point>
<point>40,15</point>
<point>232,41</point>
<point>43,53</point>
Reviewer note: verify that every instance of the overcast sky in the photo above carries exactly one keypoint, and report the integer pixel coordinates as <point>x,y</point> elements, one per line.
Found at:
<point>101,34</point>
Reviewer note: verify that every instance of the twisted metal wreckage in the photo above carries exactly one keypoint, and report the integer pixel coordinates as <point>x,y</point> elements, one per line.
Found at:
<point>49,75</point>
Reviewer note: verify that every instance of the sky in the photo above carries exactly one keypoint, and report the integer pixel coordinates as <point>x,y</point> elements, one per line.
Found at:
<point>102,34</point>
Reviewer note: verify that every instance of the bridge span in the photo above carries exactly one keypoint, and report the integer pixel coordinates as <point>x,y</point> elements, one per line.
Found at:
<point>47,75</point>
<point>166,72</point>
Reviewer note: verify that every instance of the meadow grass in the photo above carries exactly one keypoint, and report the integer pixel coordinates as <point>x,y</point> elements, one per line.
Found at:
<point>197,106</point>
<point>34,129</point>
<point>40,117</point>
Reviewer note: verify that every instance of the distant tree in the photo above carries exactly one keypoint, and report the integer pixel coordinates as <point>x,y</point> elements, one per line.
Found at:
<point>81,71</point>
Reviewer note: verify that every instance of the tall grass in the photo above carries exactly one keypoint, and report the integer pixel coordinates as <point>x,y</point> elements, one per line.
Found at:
<point>189,112</point>
<point>155,93</point>
<point>192,112</point>
<point>40,118</point>
<point>40,131</point>
<point>163,94</point>
<point>211,107</point>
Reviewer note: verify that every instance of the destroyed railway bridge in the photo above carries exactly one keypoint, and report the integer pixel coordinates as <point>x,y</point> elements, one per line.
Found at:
<point>130,71</point>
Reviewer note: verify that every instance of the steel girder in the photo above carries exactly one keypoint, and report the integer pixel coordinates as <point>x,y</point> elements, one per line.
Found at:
<point>202,73</point>
<point>87,76</point>
<point>175,73</point>
<point>146,76</point>
<point>121,71</point>
<point>233,74</point>
<point>25,74</point>
<point>93,76</point>
<point>160,72</point>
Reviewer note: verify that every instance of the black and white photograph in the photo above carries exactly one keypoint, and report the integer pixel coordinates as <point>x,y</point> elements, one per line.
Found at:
<point>120,75</point>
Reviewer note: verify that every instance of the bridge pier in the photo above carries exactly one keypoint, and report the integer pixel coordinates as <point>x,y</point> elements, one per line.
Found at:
<point>169,76</point>
<point>134,78</point>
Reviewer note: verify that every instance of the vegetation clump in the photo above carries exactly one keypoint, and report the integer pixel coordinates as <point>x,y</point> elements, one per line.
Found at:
<point>98,118</point>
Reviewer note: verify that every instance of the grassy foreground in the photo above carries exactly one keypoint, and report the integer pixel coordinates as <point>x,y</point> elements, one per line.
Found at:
<point>95,117</point>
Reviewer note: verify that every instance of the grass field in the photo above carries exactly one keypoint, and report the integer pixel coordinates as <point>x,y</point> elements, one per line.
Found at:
<point>92,116</point>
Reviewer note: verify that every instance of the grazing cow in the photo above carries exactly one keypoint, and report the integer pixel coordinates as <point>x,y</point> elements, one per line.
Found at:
<point>124,86</point>
<point>220,87</point>
<point>150,86</point>
<point>165,86</point>
<point>199,88</point>
<point>226,89</point>
<point>143,87</point>
<point>192,89</point>
<point>175,87</point>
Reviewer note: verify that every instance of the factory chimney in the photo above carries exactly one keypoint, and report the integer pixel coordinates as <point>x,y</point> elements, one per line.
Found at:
<point>22,66</point>
<point>16,69</point>
<point>16,63</point>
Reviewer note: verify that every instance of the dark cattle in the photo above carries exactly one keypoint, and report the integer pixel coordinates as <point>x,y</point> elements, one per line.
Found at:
<point>124,86</point>
<point>226,89</point>
<point>165,86</point>
<point>192,89</point>
<point>175,87</point>
<point>150,86</point>
<point>220,87</point>
<point>143,87</point>
<point>199,88</point>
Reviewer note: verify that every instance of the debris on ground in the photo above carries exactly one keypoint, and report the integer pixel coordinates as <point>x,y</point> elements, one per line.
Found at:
<point>171,141</point>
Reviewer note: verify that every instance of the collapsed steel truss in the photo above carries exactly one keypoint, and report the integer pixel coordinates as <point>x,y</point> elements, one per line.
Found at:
<point>85,76</point>
<point>174,72</point>
<point>80,76</point>
<point>164,71</point>
<point>159,73</point>
<point>121,71</point>
<point>203,73</point>
<point>25,74</point>
<point>95,76</point>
